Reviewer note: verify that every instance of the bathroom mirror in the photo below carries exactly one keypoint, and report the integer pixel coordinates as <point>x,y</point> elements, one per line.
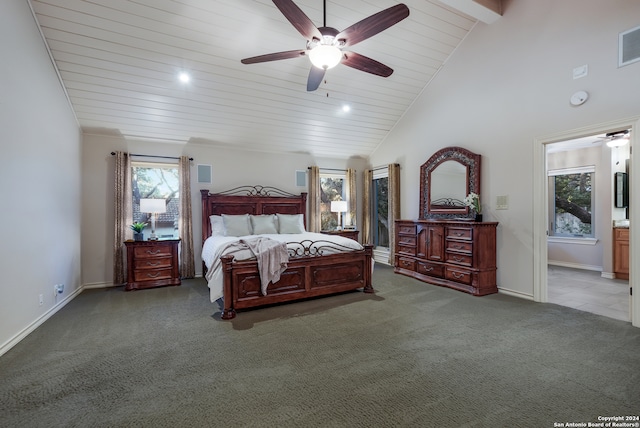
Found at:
<point>445,180</point>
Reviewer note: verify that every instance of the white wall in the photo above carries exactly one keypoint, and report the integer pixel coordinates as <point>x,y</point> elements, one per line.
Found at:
<point>230,168</point>
<point>506,85</point>
<point>40,176</point>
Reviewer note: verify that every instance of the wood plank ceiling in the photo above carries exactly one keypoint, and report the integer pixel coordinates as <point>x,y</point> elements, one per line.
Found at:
<point>119,62</point>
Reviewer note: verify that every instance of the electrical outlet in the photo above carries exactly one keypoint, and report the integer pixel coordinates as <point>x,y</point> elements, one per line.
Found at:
<point>41,299</point>
<point>58,289</point>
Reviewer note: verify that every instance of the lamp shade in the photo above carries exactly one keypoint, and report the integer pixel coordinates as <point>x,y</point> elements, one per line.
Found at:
<point>153,206</point>
<point>338,206</point>
<point>325,56</point>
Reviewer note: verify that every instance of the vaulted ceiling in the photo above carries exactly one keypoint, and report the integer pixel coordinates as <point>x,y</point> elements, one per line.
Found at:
<point>119,62</point>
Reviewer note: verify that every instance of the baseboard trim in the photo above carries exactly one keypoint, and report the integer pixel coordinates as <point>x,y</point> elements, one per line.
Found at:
<point>575,265</point>
<point>518,294</point>
<point>37,322</point>
<point>93,285</point>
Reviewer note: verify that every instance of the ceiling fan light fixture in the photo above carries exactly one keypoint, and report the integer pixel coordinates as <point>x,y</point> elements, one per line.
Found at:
<point>618,138</point>
<point>325,56</point>
<point>617,142</point>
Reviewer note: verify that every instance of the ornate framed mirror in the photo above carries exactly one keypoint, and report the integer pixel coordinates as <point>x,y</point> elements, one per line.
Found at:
<point>445,180</point>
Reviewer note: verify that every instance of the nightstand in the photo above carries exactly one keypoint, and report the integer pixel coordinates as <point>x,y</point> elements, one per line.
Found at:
<point>152,264</point>
<point>351,234</point>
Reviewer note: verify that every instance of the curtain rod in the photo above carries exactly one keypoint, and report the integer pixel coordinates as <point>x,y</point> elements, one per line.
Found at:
<point>329,169</point>
<point>151,156</point>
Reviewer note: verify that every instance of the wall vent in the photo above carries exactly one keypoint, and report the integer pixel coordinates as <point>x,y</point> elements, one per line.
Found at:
<point>629,47</point>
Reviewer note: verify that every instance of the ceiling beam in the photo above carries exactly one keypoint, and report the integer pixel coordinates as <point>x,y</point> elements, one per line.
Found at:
<point>487,11</point>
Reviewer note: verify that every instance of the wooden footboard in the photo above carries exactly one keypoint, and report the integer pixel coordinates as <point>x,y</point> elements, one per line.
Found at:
<point>305,277</point>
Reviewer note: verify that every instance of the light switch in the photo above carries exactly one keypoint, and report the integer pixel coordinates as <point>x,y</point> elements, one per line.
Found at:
<point>581,71</point>
<point>502,202</point>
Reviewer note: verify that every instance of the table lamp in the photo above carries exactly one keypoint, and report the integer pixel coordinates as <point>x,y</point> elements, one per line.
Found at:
<point>154,207</point>
<point>339,207</point>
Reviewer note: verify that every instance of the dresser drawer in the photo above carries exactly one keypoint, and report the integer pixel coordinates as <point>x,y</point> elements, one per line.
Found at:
<point>409,251</point>
<point>142,275</point>
<point>145,252</point>
<point>460,246</point>
<point>406,240</point>
<point>460,232</point>
<point>405,263</point>
<point>459,259</point>
<point>431,269</point>
<point>462,276</point>
<point>407,229</point>
<point>152,263</point>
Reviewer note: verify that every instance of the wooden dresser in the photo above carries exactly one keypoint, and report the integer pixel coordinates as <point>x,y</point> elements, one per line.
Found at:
<point>152,264</point>
<point>621,252</point>
<point>455,254</point>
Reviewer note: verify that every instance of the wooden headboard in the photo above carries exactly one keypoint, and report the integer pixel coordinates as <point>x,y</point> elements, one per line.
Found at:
<point>250,200</point>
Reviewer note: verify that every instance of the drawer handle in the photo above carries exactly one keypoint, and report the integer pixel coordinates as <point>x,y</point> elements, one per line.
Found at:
<point>429,269</point>
<point>459,234</point>
<point>154,252</point>
<point>457,275</point>
<point>457,247</point>
<point>153,264</point>
<point>153,275</point>
<point>458,259</point>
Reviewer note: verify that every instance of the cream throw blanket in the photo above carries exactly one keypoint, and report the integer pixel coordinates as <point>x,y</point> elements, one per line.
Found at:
<point>272,257</point>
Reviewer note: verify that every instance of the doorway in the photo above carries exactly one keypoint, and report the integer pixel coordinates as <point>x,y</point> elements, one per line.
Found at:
<point>541,213</point>
<point>580,251</point>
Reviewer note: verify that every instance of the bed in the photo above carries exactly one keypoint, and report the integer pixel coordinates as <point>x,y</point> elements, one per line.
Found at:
<point>318,264</point>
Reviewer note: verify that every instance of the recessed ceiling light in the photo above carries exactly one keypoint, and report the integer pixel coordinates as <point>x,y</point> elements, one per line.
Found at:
<point>346,108</point>
<point>184,77</point>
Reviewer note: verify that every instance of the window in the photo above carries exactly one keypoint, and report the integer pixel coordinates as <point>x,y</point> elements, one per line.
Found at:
<point>571,203</point>
<point>157,181</point>
<point>380,209</point>
<point>332,188</point>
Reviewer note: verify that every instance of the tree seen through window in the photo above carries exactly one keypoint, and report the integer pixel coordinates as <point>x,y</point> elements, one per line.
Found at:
<point>331,189</point>
<point>573,204</point>
<point>157,181</point>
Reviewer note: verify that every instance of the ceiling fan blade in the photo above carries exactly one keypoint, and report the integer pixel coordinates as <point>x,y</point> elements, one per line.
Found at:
<point>315,78</point>
<point>374,24</point>
<point>298,19</point>
<point>274,56</point>
<point>363,63</point>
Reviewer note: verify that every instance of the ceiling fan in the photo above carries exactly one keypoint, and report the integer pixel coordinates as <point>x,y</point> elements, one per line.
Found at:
<point>325,44</point>
<point>615,139</point>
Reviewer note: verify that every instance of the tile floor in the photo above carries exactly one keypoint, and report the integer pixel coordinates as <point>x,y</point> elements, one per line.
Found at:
<point>587,291</point>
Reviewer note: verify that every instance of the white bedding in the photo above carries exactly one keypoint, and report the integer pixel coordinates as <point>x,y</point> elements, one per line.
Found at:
<point>214,248</point>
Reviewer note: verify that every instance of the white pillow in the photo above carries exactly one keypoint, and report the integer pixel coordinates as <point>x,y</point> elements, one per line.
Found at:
<point>217,225</point>
<point>236,225</point>
<point>263,224</point>
<point>291,223</point>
